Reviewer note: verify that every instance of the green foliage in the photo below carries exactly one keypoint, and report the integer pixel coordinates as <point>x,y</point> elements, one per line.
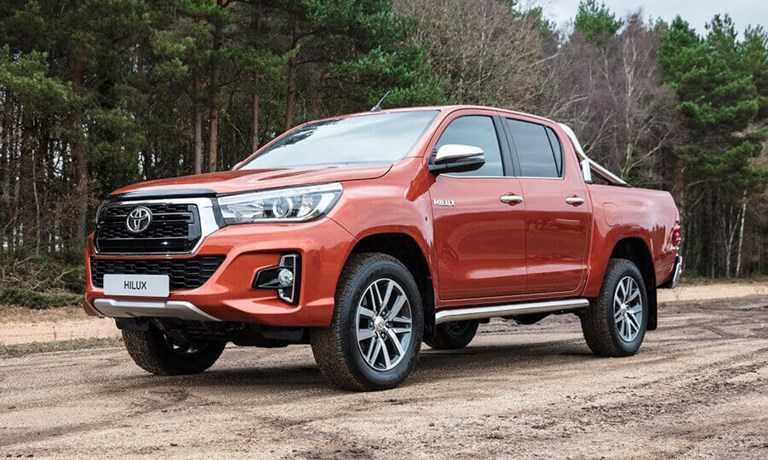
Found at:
<point>26,76</point>
<point>721,90</point>
<point>754,47</point>
<point>595,21</point>
<point>718,101</point>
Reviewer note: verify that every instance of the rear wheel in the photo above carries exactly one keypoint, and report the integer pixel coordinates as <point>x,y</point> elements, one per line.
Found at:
<point>615,323</point>
<point>453,335</point>
<point>375,334</point>
<point>160,354</point>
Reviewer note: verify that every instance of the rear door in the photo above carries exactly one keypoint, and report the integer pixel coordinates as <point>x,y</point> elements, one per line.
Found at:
<point>479,216</point>
<point>558,211</point>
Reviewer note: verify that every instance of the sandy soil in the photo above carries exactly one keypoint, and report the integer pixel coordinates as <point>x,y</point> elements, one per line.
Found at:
<point>22,326</point>
<point>698,388</point>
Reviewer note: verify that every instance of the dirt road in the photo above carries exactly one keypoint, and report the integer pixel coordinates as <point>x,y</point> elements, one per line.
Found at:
<point>699,387</point>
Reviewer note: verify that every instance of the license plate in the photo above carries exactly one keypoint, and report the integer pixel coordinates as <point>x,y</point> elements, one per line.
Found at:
<point>136,285</point>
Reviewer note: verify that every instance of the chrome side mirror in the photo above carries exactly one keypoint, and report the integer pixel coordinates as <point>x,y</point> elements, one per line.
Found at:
<point>457,158</point>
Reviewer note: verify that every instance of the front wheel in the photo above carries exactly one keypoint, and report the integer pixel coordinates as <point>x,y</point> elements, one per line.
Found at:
<point>374,338</point>
<point>158,353</point>
<point>615,323</point>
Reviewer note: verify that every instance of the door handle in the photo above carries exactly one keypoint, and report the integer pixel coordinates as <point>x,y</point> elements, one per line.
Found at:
<point>574,200</point>
<point>511,199</point>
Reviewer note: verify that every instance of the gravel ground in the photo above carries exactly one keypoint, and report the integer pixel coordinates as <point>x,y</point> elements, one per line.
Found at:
<point>698,388</point>
<point>24,326</point>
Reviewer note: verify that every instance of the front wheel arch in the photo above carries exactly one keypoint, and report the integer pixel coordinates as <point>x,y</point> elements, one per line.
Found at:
<point>408,251</point>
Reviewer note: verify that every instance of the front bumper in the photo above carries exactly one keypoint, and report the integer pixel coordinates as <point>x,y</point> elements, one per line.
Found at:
<point>228,295</point>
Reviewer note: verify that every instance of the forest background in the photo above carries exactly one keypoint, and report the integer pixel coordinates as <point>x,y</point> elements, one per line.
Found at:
<point>97,94</point>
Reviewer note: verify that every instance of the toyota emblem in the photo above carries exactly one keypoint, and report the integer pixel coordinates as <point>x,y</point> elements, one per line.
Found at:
<point>138,219</point>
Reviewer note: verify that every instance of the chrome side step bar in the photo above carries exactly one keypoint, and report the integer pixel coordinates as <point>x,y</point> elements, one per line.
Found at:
<point>463,314</point>
<point>140,308</point>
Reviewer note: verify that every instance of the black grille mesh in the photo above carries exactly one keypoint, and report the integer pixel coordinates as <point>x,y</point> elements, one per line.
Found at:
<point>169,230</point>
<point>174,228</point>
<point>183,273</point>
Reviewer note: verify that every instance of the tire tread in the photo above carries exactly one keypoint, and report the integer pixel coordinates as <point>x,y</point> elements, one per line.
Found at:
<point>596,322</point>
<point>335,363</point>
<point>149,352</point>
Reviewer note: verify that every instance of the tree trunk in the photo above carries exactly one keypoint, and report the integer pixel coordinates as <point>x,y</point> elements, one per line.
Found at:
<point>255,136</point>
<point>198,116</point>
<point>16,146</point>
<point>198,141</point>
<point>5,141</point>
<point>741,232</point>
<point>293,64</point>
<point>5,171</point>
<point>36,195</point>
<point>213,133</point>
<point>78,149</point>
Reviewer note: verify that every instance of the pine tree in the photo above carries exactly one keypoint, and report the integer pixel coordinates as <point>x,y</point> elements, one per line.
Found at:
<point>595,21</point>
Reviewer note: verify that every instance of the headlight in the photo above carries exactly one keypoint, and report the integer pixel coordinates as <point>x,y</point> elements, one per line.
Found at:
<point>284,205</point>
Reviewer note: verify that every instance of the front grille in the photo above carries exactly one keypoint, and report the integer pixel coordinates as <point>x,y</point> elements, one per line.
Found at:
<point>175,228</point>
<point>183,273</point>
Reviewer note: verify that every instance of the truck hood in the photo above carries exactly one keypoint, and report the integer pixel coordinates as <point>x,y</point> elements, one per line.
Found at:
<point>256,179</point>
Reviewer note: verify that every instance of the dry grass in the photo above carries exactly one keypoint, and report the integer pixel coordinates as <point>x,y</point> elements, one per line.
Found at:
<point>14,351</point>
<point>16,314</point>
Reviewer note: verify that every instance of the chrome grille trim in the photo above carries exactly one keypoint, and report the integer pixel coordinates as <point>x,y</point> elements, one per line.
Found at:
<point>206,214</point>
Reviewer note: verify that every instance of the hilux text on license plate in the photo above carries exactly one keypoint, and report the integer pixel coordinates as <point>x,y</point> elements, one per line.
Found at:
<point>136,285</point>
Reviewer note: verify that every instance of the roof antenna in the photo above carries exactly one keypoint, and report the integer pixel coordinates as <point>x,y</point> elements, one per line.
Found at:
<point>377,107</point>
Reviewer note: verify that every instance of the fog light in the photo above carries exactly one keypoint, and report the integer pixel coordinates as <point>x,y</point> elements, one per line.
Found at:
<point>285,277</point>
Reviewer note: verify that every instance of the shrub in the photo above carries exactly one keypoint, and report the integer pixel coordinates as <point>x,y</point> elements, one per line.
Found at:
<point>38,300</point>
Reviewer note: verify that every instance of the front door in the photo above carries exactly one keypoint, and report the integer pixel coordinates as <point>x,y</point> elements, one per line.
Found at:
<point>479,217</point>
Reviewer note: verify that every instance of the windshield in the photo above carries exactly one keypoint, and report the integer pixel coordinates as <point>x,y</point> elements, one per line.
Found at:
<point>376,138</point>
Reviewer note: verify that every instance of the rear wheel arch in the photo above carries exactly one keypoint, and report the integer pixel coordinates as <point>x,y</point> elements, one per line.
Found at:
<point>636,250</point>
<point>407,250</point>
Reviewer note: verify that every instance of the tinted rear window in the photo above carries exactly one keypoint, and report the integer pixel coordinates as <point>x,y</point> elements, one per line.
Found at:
<point>539,151</point>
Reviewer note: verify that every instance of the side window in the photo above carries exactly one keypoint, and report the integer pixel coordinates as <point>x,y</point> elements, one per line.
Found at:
<point>538,149</point>
<point>476,131</point>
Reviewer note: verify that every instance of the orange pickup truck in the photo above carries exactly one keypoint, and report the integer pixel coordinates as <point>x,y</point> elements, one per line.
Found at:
<point>366,234</point>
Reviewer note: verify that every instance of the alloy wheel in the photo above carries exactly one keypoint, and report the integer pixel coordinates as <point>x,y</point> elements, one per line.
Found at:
<point>383,324</point>
<point>628,309</point>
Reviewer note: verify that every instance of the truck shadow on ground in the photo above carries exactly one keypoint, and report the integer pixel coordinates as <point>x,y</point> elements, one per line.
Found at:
<point>504,360</point>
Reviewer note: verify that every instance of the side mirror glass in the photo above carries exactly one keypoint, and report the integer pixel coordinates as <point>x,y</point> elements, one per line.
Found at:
<point>457,158</point>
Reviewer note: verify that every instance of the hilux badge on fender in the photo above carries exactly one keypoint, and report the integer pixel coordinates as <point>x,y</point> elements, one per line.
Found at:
<point>441,202</point>
<point>138,219</point>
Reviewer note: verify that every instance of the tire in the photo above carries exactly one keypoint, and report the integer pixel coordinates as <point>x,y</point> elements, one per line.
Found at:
<point>453,335</point>
<point>357,351</point>
<point>616,321</point>
<point>155,352</point>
